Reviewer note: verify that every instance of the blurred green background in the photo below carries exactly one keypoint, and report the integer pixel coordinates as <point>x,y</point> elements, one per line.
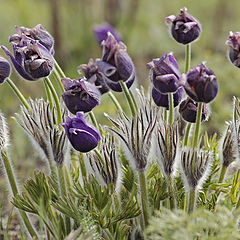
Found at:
<point>141,23</point>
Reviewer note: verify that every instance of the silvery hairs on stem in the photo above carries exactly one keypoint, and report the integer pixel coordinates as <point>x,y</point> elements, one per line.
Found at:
<point>50,140</point>
<point>4,138</point>
<point>136,133</point>
<point>195,167</point>
<point>108,168</point>
<point>236,123</point>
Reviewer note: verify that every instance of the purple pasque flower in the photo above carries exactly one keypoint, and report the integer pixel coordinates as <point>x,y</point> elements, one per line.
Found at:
<point>83,137</point>
<point>31,59</point>
<point>5,69</point>
<point>101,32</point>
<point>234,48</point>
<point>92,75</point>
<point>80,95</point>
<point>184,27</point>
<point>116,65</point>
<point>188,110</point>
<point>37,33</point>
<point>201,84</point>
<point>165,74</point>
<point>162,100</point>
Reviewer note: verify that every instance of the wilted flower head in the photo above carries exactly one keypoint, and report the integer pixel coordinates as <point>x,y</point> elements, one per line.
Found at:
<point>162,100</point>
<point>188,110</point>
<point>31,59</point>
<point>92,75</point>
<point>201,84</point>
<point>37,33</point>
<point>5,69</point>
<point>101,32</point>
<point>234,48</point>
<point>83,137</point>
<point>80,95</point>
<point>116,65</point>
<point>165,73</point>
<point>184,27</point>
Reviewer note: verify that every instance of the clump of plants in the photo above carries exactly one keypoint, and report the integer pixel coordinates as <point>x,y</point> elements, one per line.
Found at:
<point>150,174</point>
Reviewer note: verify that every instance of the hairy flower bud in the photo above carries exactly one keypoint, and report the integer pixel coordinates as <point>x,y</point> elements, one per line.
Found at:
<point>165,74</point>
<point>83,137</point>
<point>201,84</point>
<point>5,69</point>
<point>234,48</point>
<point>184,27</point>
<point>101,32</point>
<point>92,75</point>
<point>31,59</point>
<point>80,95</point>
<point>188,110</point>
<point>162,100</point>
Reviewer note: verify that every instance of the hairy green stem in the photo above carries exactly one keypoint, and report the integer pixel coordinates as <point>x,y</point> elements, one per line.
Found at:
<point>48,92</point>
<point>115,101</point>
<point>185,143</point>
<point>187,57</point>
<point>198,123</point>
<point>59,70</point>
<point>93,119</point>
<point>222,174</point>
<point>191,200</point>
<point>58,78</point>
<point>171,109</point>
<point>172,199</point>
<point>133,99</point>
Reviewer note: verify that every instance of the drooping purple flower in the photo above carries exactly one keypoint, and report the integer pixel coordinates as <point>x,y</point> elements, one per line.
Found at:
<point>37,33</point>
<point>188,110</point>
<point>92,75</point>
<point>83,137</point>
<point>162,100</point>
<point>184,27</point>
<point>80,95</point>
<point>31,59</point>
<point>5,69</point>
<point>201,84</point>
<point>165,74</point>
<point>101,32</point>
<point>116,65</point>
<point>234,48</point>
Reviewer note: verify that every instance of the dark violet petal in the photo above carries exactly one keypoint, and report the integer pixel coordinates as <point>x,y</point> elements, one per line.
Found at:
<point>5,69</point>
<point>106,68</point>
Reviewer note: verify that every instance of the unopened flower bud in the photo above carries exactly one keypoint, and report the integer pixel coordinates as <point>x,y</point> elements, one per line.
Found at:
<point>5,69</point>
<point>188,110</point>
<point>83,137</point>
<point>165,74</point>
<point>201,84</point>
<point>234,48</point>
<point>80,95</point>
<point>184,27</point>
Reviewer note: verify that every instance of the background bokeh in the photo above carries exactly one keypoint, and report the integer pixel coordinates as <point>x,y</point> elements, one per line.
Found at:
<point>141,24</point>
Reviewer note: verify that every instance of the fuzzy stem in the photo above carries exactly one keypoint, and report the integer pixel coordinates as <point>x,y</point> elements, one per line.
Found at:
<point>59,70</point>
<point>115,101</point>
<point>93,119</point>
<point>13,185</point>
<point>128,97</point>
<point>58,78</point>
<point>198,123</point>
<point>144,196</point>
<point>171,109</point>
<point>18,93</point>
<point>172,199</point>
<point>165,114</point>
<point>133,99</point>
<point>191,200</point>
<point>187,57</point>
<point>49,95</point>
<point>187,134</point>
<point>222,174</point>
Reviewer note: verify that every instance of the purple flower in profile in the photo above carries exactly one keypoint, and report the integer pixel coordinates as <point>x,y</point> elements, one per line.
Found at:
<point>83,137</point>
<point>92,75</point>
<point>80,95</point>
<point>165,74</point>
<point>116,65</point>
<point>37,33</point>
<point>162,100</point>
<point>5,69</point>
<point>184,27</point>
<point>201,84</point>
<point>234,48</point>
<point>31,59</point>
<point>101,32</point>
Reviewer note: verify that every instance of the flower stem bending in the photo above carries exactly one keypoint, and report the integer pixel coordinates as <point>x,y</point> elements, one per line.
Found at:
<point>115,101</point>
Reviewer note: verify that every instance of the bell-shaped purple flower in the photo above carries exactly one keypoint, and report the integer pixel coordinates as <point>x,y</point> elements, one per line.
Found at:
<point>184,27</point>
<point>80,95</point>
<point>31,59</point>
<point>37,33</point>
<point>165,74</point>
<point>188,110</point>
<point>201,84</point>
<point>101,32</point>
<point>83,137</point>
<point>92,75</point>
<point>5,69</point>
<point>234,48</point>
<point>162,100</point>
<point>116,65</point>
